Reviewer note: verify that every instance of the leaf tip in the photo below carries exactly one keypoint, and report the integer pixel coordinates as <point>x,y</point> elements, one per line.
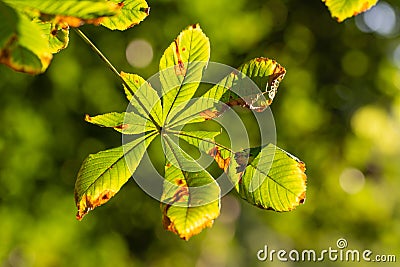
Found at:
<point>88,118</point>
<point>194,26</point>
<point>186,233</point>
<point>223,163</point>
<point>87,203</point>
<point>145,10</point>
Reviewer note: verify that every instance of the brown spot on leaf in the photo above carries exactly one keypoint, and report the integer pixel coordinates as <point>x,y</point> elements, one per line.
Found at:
<point>208,114</point>
<point>365,6</point>
<point>180,182</point>
<point>180,67</point>
<point>222,163</point>
<point>145,10</point>
<point>302,198</point>
<point>206,220</point>
<point>242,159</point>
<point>5,52</point>
<point>180,194</point>
<point>77,22</point>
<point>237,102</point>
<point>88,118</point>
<point>122,126</point>
<point>87,203</point>
<point>302,166</point>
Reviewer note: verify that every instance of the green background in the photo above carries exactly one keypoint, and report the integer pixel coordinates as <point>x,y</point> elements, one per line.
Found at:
<point>338,109</point>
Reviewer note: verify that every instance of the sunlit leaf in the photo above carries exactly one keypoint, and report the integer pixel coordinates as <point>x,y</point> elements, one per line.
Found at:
<point>343,9</point>
<point>126,123</point>
<point>73,12</point>
<point>150,101</point>
<point>103,174</point>
<point>266,176</point>
<point>181,69</point>
<point>254,85</point>
<point>57,34</point>
<point>191,197</point>
<point>23,45</point>
<point>269,178</point>
<point>132,13</point>
<point>203,140</point>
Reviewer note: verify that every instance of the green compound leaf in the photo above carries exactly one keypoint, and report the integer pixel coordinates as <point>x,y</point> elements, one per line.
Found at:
<point>262,73</point>
<point>23,46</point>
<point>126,123</point>
<point>343,9</point>
<point>191,197</point>
<point>132,13</point>
<point>269,177</point>
<point>103,174</point>
<point>181,69</point>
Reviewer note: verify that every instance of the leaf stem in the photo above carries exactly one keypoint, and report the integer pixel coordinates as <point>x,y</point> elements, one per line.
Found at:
<point>115,71</point>
<point>99,53</point>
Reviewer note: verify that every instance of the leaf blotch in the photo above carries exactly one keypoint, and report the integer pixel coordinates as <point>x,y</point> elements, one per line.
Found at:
<point>77,22</point>
<point>122,126</point>
<point>145,10</point>
<point>242,159</point>
<point>222,163</point>
<point>88,118</point>
<point>87,203</point>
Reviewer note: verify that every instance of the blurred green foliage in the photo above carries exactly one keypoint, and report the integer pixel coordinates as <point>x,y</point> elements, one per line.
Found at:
<point>337,109</point>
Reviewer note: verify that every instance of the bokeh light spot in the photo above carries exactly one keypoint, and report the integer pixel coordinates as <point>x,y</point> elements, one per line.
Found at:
<point>374,124</point>
<point>381,19</point>
<point>352,180</point>
<point>355,63</point>
<point>396,56</point>
<point>139,53</point>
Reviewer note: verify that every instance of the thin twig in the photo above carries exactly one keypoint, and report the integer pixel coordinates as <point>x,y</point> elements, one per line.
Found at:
<point>115,71</point>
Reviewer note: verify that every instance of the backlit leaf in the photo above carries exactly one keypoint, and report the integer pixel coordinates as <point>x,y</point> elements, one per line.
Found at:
<point>126,123</point>
<point>151,102</point>
<point>103,174</point>
<point>73,12</point>
<point>181,69</point>
<point>191,197</point>
<point>132,13</point>
<point>269,178</point>
<point>57,34</point>
<point>343,9</point>
<point>203,140</point>
<point>24,47</point>
<point>254,85</point>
